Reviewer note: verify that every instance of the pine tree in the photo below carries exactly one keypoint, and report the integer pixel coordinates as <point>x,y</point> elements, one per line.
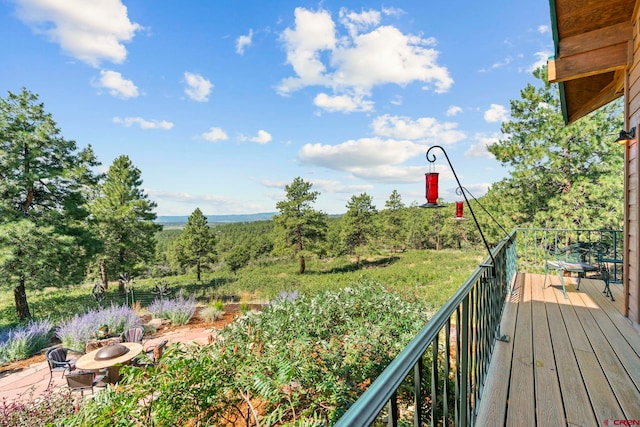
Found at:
<point>196,246</point>
<point>358,224</point>
<point>561,176</point>
<point>124,218</point>
<point>298,226</point>
<point>394,220</point>
<point>44,184</point>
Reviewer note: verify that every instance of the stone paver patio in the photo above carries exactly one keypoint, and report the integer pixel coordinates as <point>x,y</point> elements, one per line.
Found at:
<point>32,381</point>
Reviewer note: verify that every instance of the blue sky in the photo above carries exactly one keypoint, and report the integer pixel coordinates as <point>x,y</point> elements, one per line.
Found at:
<point>220,104</point>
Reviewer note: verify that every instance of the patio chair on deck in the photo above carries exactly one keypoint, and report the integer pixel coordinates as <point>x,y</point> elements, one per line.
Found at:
<point>603,264</point>
<point>58,360</point>
<point>572,259</point>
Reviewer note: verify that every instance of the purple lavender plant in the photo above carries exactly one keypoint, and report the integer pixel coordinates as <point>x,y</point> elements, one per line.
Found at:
<point>22,342</point>
<point>179,310</point>
<point>80,328</point>
<point>288,296</point>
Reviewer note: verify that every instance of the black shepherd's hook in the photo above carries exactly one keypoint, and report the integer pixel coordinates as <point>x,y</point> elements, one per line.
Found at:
<point>473,215</point>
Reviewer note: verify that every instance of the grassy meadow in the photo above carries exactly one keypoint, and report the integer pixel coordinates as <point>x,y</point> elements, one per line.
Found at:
<point>430,275</point>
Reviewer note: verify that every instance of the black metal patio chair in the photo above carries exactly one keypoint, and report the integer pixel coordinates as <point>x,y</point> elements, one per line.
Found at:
<point>58,360</point>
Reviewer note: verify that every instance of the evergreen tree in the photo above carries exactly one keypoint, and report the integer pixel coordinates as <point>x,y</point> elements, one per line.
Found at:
<point>561,176</point>
<point>196,246</point>
<point>298,226</point>
<point>394,220</point>
<point>124,218</point>
<point>358,224</point>
<point>237,258</point>
<point>44,184</point>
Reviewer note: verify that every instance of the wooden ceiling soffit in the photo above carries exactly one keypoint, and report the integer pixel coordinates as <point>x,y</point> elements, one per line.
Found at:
<point>596,52</point>
<point>582,98</point>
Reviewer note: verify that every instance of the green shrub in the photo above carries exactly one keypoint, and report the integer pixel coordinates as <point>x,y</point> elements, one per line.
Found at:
<point>28,411</point>
<point>218,304</point>
<point>211,313</point>
<point>244,307</point>
<point>302,360</point>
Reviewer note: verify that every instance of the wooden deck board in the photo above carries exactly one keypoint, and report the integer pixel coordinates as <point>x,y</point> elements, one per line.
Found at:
<point>612,310</point>
<point>549,409</point>
<point>574,361</point>
<point>497,384</point>
<point>573,390</point>
<point>521,407</point>
<point>602,397</point>
<point>595,323</point>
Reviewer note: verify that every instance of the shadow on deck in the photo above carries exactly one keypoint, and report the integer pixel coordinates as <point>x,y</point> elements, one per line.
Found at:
<point>573,361</point>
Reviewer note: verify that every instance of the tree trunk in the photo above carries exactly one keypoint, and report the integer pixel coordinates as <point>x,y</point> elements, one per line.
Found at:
<point>22,305</point>
<point>198,270</point>
<point>299,251</point>
<point>103,274</point>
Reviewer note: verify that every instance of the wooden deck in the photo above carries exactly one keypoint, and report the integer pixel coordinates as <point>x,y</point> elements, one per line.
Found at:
<point>573,362</point>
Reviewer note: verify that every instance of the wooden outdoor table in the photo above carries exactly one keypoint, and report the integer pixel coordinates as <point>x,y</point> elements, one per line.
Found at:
<point>90,363</point>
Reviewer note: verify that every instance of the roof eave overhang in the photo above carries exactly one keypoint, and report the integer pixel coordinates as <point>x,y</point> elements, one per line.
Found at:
<point>588,67</point>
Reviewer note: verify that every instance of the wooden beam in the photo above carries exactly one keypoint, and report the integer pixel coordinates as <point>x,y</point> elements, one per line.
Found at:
<point>597,39</point>
<point>606,95</point>
<point>589,63</point>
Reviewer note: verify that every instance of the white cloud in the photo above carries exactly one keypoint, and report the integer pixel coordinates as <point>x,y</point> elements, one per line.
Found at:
<point>541,60</point>
<point>90,31</point>
<point>198,88</point>
<point>362,153</point>
<point>543,29</point>
<point>174,203</point>
<point>390,173</point>
<point>344,103</point>
<point>496,113</point>
<point>323,185</point>
<point>479,189</point>
<point>243,42</point>
<point>453,110</point>
<point>274,184</point>
<point>334,186</point>
<point>314,32</point>
<point>116,84</point>
<point>396,100</point>
<point>426,129</point>
<point>358,22</point>
<point>144,124</point>
<point>386,55</point>
<point>393,11</point>
<point>353,62</point>
<point>506,61</point>
<point>479,149</point>
<point>263,137</point>
<point>370,159</point>
<point>215,134</point>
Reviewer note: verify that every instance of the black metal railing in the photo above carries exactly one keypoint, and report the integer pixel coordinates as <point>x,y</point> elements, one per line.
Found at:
<point>437,379</point>
<point>601,247</point>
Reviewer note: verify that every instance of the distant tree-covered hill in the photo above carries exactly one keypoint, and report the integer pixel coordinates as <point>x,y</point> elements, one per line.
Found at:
<point>218,219</point>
